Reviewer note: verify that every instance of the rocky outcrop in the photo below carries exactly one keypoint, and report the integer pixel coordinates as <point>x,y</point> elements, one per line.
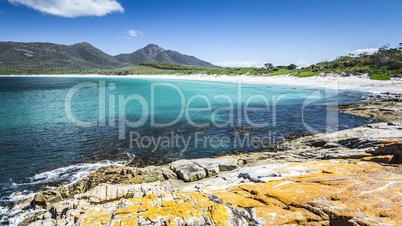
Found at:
<point>175,174</point>
<point>354,191</point>
<point>389,152</point>
<point>105,175</point>
<point>270,188</point>
<point>341,144</point>
<point>389,110</point>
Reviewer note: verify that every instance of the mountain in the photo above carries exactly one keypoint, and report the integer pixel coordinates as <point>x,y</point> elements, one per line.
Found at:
<point>154,53</point>
<point>95,56</point>
<point>39,57</point>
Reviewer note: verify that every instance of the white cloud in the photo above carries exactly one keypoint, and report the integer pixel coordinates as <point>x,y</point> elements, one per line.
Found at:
<point>303,63</point>
<point>239,64</point>
<point>72,8</point>
<point>131,34</point>
<point>360,51</point>
<point>134,33</point>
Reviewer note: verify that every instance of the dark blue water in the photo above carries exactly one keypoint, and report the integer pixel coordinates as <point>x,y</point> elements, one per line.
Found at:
<point>40,142</point>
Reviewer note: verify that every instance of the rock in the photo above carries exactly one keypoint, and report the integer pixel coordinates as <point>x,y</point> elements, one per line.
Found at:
<point>152,174</point>
<point>326,192</point>
<point>36,223</point>
<point>52,196</point>
<point>168,173</point>
<point>65,192</point>
<point>48,222</point>
<point>378,126</point>
<point>47,215</point>
<point>192,170</point>
<point>397,159</point>
<point>318,143</point>
<point>40,201</point>
<point>188,170</point>
<point>108,192</point>
<point>294,189</point>
<point>388,110</point>
<point>331,145</point>
<point>226,163</point>
<point>389,147</point>
<point>209,166</point>
<point>393,109</point>
<point>176,183</point>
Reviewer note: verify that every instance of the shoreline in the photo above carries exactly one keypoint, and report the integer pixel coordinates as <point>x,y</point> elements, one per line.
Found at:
<point>312,82</point>
<point>308,158</point>
<point>352,82</point>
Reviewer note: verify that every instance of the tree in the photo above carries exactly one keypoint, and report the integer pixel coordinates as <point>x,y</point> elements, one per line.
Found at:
<point>269,66</point>
<point>292,66</point>
<point>279,67</point>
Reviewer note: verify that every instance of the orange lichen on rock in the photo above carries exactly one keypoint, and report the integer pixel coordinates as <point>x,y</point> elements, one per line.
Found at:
<point>276,216</point>
<point>95,217</point>
<point>128,221</point>
<point>337,192</point>
<point>186,205</point>
<point>231,198</point>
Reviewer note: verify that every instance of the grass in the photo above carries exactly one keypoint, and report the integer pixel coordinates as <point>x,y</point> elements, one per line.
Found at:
<point>137,69</point>
<point>380,77</point>
<point>305,74</point>
<point>280,72</point>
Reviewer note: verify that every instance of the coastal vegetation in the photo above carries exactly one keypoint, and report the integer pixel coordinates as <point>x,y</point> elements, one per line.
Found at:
<point>386,62</point>
<point>381,65</point>
<point>380,77</point>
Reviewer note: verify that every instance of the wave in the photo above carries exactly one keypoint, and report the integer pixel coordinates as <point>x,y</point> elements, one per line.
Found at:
<point>16,215</point>
<point>68,175</point>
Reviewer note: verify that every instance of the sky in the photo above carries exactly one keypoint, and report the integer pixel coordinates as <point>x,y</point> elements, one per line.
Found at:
<point>223,32</point>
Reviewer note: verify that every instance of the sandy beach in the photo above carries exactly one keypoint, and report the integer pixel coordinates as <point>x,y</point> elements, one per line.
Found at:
<point>353,82</point>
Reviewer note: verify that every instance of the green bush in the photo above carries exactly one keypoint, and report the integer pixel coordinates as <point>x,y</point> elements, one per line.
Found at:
<point>380,77</point>
<point>305,74</point>
<point>280,72</point>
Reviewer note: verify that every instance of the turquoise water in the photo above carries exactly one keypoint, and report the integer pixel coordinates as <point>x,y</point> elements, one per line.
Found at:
<point>39,144</point>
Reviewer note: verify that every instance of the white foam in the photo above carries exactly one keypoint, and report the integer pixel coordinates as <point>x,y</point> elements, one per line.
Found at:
<point>3,211</point>
<point>71,174</point>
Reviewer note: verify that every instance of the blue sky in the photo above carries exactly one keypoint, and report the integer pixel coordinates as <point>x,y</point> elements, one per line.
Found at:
<point>232,33</point>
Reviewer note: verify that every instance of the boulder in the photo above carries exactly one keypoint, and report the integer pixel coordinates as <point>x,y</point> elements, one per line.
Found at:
<point>226,163</point>
<point>52,196</point>
<point>209,166</point>
<point>39,201</point>
<point>188,170</point>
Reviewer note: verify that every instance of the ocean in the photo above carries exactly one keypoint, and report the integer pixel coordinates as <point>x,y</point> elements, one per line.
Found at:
<point>54,130</point>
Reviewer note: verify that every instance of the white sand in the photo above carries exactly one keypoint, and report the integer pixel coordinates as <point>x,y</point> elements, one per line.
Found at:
<point>361,83</point>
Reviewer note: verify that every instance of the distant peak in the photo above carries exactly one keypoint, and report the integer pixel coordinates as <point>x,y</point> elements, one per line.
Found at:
<point>152,50</point>
<point>152,46</point>
<point>83,44</point>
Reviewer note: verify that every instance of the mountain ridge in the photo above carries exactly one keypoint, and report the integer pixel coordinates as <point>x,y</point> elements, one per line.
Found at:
<point>45,57</point>
<point>154,53</point>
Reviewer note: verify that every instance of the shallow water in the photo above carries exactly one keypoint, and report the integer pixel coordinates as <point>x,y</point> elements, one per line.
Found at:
<point>40,144</point>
